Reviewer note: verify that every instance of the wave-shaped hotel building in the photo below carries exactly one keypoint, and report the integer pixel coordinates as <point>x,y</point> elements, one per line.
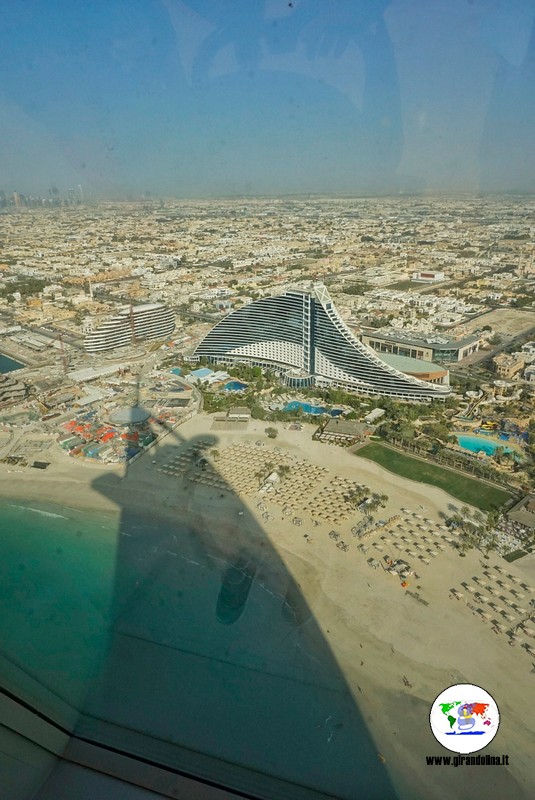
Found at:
<point>300,335</point>
<point>131,325</point>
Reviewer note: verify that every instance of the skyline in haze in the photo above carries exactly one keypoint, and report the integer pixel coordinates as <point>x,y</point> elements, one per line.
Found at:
<point>211,98</point>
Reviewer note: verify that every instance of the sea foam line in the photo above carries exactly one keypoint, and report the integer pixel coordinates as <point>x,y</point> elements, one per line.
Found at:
<point>38,511</point>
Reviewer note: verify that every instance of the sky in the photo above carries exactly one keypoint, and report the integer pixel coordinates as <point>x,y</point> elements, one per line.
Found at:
<point>196,98</point>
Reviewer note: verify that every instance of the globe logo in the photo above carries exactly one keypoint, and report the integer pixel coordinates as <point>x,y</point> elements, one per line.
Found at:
<point>464,718</point>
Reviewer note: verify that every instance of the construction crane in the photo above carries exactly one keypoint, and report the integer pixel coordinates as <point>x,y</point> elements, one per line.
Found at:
<point>64,360</point>
<point>132,325</point>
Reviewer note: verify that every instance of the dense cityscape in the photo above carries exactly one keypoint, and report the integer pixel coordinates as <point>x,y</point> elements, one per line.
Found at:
<point>441,289</point>
<point>350,380</point>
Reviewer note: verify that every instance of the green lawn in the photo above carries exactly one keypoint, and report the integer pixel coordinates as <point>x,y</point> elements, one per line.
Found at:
<point>515,555</point>
<point>468,490</point>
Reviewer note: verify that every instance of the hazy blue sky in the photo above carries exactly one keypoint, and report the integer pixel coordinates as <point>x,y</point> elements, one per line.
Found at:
<point>210,97</point>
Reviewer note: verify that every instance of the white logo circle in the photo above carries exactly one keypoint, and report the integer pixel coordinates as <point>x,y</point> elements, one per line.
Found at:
<point>464,718</point>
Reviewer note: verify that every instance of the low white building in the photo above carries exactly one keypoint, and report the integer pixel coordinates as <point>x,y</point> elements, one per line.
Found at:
<point>430,276</point>
<point>374,415</point>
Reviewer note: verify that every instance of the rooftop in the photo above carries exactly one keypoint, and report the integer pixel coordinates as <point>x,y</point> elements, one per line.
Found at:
<point>426,341</point>
<point>406,364</point>
<point>129,415</point>
<point>342,427</point>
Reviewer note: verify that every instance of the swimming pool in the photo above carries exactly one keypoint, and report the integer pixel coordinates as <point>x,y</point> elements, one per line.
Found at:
<point>308,409</point>
<point>476,444</point>
<point>235,386</point>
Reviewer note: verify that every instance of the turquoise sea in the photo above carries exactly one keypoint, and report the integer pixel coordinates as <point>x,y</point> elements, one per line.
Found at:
<point>120,618</point>
<point>56,583</point>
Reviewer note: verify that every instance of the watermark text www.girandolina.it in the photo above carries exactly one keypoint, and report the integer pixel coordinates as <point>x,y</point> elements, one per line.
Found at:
<point>467,761</point>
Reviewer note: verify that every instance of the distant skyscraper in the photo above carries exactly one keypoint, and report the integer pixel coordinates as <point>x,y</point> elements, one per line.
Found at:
<point>300,335</point>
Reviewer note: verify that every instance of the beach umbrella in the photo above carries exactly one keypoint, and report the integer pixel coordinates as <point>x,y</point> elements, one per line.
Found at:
<point>470,589</point>
<point>485,615</point>
<point>529,650</point>
<point>483,599</point>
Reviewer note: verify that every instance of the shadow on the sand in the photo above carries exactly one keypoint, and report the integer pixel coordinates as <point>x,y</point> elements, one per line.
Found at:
<point>214,649</point>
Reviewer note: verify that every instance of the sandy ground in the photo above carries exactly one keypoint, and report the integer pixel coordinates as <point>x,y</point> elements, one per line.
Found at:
<point>507,321</point>
<point>377,632</point>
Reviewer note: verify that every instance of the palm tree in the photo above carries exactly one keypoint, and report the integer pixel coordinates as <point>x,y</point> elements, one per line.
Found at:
<point>356,497</point>
<point>490,544</point>
<point>466,542</point>
<point>492,520</point>
<point>284,470</point>
<point>498,453</point>
<point>373,504</point>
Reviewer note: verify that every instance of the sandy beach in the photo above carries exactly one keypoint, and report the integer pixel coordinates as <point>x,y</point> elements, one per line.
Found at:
<point>395,652</point>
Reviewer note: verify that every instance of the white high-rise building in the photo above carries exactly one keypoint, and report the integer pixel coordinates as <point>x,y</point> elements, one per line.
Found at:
<point>130,326</point>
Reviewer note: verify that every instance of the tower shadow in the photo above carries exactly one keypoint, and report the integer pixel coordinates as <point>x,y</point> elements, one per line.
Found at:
<point>215,662</point>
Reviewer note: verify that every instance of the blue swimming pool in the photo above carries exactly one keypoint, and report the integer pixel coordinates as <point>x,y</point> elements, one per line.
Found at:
<point>308,409</point>
<point>476,444</point>
<point>235,386</point>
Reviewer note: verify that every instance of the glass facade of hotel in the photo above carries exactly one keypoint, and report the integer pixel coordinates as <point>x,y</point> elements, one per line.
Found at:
<point>301,329</point>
